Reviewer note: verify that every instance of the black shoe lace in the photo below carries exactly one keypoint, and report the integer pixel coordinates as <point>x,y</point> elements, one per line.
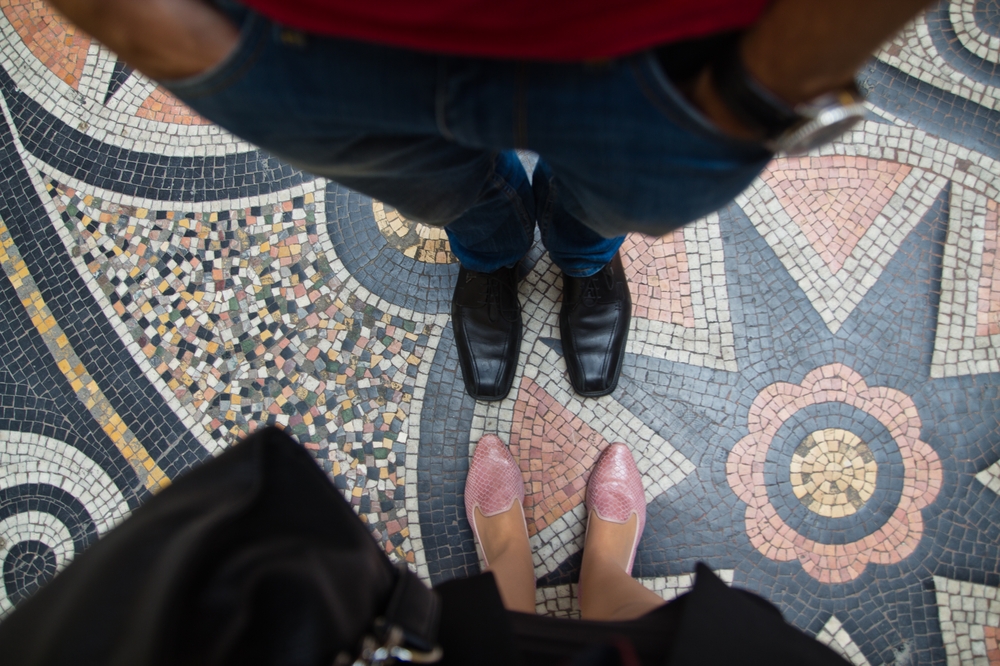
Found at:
<point>592,288</point>
<point>493,298</point>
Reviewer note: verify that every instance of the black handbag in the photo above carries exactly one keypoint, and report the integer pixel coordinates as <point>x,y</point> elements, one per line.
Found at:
<point>251,558</point>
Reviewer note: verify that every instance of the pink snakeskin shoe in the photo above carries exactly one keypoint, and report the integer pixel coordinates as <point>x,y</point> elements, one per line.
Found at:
<point>615,492</point>
<point>493,484</point>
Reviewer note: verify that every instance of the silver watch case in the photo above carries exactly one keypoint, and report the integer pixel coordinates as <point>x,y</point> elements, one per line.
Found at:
<point>824,119</point>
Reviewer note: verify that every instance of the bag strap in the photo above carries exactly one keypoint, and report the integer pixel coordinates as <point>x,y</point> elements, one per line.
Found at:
<point>407,630</point>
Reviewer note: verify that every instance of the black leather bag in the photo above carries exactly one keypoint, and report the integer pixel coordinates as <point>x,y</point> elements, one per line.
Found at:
<point>252,558</point>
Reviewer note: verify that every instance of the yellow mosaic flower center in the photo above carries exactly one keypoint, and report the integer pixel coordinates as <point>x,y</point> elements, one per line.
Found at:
<point>833,472</point>
<point>416,241</point>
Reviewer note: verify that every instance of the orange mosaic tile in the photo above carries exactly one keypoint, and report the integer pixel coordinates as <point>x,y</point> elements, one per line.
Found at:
<point>834,198</point>
<point>659,277</point>
<point>556,450</point>
<point>164,107</point>
<point>988,311</point>
<point>61,46</point>
<point>992,636</point>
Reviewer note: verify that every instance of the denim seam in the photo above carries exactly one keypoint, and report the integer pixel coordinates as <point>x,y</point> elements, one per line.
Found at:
<point>527,224</point>
<point>545,218</point>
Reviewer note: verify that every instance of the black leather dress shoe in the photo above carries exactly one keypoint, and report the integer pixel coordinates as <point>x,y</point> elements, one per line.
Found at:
<point>486,318</point>
<point>594,323</point>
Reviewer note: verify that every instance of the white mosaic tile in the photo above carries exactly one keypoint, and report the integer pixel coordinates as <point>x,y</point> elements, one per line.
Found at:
<point>115,123</point>
<point>27,458</point>
<point>885,115</point>
<point>970,35</point>
<point>969,615</point>
<point>836,637</point>
<point>913,52</point>
<point>835,291</point>
<point>990,477</point>
<point>707,339</point>
<point>967,340</point>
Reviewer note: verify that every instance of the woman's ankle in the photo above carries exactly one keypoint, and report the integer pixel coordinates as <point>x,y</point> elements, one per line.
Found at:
<point>609,541</point>
<point>502,533</point>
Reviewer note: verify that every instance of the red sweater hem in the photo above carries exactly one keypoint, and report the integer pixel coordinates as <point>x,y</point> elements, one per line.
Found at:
<point>461,28</point>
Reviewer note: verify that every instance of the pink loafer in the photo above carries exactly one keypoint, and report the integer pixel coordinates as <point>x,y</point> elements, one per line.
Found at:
<point>615,492</point>
<point>493,485</point>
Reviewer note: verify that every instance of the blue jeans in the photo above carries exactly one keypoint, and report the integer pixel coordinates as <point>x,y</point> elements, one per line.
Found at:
<point>434,136</point>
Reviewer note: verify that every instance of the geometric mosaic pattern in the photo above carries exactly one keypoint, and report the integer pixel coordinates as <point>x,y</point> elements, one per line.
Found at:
<point>831,460</point>
<point>835,219</point>
<point>80,503</point>
<point>952,47</point>
<point>680,304</point>
<point>834,635</point>
<point>990,477</point>
<point>811,386</point>
<point>968,330</point>
<point>970,617</point>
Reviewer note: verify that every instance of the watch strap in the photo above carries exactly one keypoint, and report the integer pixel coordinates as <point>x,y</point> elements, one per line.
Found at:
<point>746,98</point>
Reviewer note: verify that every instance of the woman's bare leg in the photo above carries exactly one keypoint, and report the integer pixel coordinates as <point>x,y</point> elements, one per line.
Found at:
<point>606,591</point>
<point>505,542</point>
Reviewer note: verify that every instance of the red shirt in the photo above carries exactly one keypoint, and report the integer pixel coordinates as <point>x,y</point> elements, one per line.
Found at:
<point>529,29</point>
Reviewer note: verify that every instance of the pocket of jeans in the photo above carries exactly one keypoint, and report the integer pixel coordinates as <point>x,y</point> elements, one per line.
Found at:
<point>233,65</point>
<point>661,92</point>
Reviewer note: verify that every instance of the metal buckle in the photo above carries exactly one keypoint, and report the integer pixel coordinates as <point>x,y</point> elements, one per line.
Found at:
<point>379,653</point>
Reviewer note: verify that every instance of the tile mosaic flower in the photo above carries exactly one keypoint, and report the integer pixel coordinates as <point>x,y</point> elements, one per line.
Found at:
<point>833,473</point>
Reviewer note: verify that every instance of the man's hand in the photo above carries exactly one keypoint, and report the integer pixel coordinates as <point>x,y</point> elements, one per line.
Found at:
<point>800,49</point>
<point>163,39</point>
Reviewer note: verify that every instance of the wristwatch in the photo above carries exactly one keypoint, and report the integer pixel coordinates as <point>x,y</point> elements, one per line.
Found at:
<point>793,130</point>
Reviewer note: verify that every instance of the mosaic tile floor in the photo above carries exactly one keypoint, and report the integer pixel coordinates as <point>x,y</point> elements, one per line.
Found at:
<point>812,386</point>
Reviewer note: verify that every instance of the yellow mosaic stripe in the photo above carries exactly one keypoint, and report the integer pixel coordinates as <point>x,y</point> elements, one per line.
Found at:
<point>69,363</point>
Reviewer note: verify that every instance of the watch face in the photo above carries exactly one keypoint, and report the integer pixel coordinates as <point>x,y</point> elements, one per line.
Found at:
<point>825,126</point>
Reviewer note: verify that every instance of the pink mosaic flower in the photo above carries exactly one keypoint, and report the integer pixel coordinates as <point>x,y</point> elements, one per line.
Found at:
<point>772,536</point>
